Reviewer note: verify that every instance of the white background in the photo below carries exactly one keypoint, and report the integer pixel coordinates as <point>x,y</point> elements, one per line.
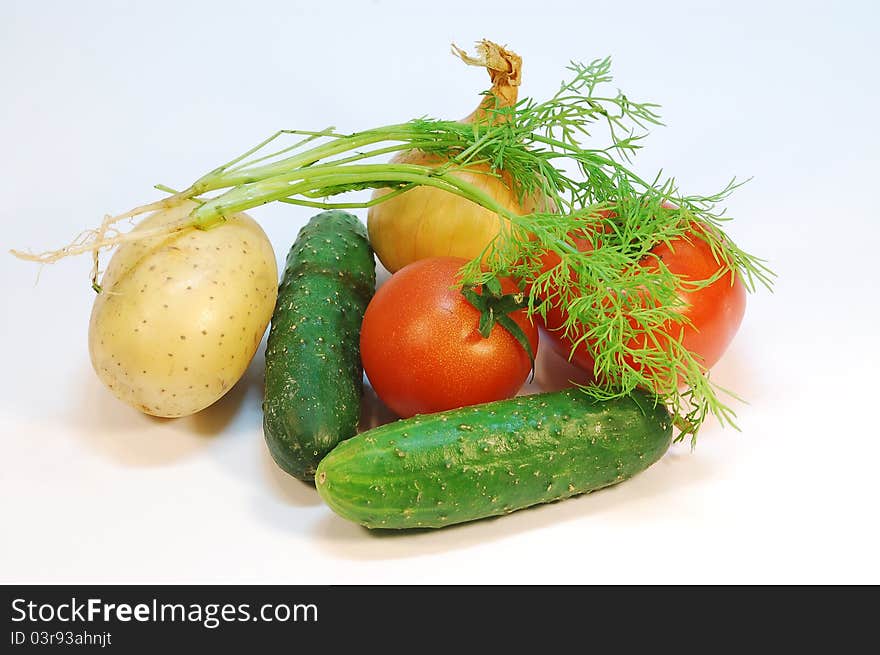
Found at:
<point>100,100</point>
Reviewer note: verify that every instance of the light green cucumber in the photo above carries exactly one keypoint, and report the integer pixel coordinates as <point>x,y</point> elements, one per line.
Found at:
<point>470,463</point>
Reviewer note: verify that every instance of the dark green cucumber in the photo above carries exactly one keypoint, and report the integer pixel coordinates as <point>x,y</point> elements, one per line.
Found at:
<point>314,376</point>
<point>470,463</point>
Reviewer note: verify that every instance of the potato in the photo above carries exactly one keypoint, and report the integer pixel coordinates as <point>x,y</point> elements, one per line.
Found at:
<point>181,315</point>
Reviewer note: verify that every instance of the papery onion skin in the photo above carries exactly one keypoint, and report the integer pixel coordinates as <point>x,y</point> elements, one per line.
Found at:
<point>430,222</point>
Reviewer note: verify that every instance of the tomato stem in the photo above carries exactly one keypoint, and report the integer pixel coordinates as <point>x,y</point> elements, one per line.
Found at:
<point>496,307</point>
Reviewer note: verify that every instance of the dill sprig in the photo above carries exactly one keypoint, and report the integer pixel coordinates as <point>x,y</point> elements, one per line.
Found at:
<point>623,310</point>
<point>626,313</point>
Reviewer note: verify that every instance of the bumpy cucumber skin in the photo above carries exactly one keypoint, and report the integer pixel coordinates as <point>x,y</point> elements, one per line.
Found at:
<point>435,470</point>
<point>314,377</point>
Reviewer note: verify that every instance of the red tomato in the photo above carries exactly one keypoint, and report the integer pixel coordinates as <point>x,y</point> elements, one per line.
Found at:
<point>422,350</point>
<point>715,312</point>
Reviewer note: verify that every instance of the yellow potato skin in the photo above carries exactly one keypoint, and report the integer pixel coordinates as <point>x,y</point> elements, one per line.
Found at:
<point>180,316</point>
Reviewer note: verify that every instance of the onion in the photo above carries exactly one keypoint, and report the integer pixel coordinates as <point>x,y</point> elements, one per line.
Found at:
<point>430,222</point>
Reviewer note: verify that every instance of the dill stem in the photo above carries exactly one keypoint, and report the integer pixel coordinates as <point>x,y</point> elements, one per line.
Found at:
<point>221,178</point>
<point>317,178</point>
